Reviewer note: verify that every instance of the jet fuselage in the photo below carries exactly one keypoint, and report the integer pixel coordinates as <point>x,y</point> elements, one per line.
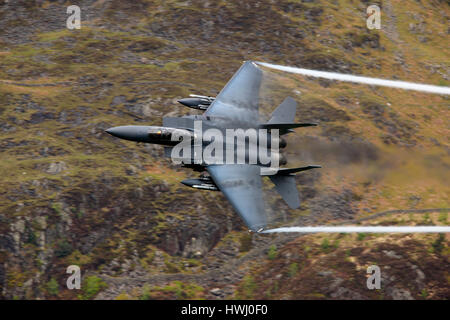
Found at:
<point>171,136</point>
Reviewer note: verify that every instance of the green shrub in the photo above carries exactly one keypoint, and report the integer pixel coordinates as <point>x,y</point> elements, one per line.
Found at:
<point>146,293</point>
<point>272,253</point>
<point>31,237</point>
<point>438,244</point>
<point>424,293</point>
<point>443,217</point>
<point>292,270</point>
<point>171,267</point>
<point>57,207</point>
<point>91,286</point>
<point>63,248</point>
<point>123,296</point>
<point>248,287</point>
<point>325,244</point>
<point>52,287</point>
<point>361,236</point>
<point>426,219</point>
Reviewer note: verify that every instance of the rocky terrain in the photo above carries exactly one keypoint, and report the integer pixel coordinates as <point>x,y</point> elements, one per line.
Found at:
<point>71,194</point>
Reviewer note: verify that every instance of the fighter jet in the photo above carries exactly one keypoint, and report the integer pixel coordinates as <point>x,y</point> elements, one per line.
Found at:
<point>236,107</point>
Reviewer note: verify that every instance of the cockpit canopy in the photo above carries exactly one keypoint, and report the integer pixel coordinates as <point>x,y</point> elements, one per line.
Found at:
<point>171,134</point>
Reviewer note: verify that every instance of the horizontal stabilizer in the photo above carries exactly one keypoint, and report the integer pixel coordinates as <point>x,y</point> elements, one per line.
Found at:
<point>285,185</point>
<point>288,171</point>
<point>286,126</point>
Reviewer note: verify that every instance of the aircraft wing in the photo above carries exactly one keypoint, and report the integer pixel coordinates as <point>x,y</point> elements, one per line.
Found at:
<point>241,184</point>
<point>238,100</point>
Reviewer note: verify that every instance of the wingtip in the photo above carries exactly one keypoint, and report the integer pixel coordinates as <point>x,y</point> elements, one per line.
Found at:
<point>260,230</point>
<point>254,63</point>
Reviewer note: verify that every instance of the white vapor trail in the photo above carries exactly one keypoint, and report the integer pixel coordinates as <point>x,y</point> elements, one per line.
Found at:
<point>363,229</point>
<point>359,79</point>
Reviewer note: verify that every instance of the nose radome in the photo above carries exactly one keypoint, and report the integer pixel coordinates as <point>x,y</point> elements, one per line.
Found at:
<point>113,131</point>
<point>124,132</point>
<point>132,133</point>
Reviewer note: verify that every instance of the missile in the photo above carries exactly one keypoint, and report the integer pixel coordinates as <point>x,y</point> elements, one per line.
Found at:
<point>197,102</point>
<point>203,97</point>
<point>200,183</point>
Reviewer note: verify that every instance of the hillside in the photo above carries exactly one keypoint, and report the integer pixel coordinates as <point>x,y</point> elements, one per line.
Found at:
<point>72,194</point>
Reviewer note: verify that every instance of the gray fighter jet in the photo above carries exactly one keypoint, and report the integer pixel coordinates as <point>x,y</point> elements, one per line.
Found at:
<point>236,107</point>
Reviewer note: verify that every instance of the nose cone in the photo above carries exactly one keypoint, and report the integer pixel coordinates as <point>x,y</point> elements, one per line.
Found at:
<point>119,132</point>
<point>110,131</point>
<point>133,133</point>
